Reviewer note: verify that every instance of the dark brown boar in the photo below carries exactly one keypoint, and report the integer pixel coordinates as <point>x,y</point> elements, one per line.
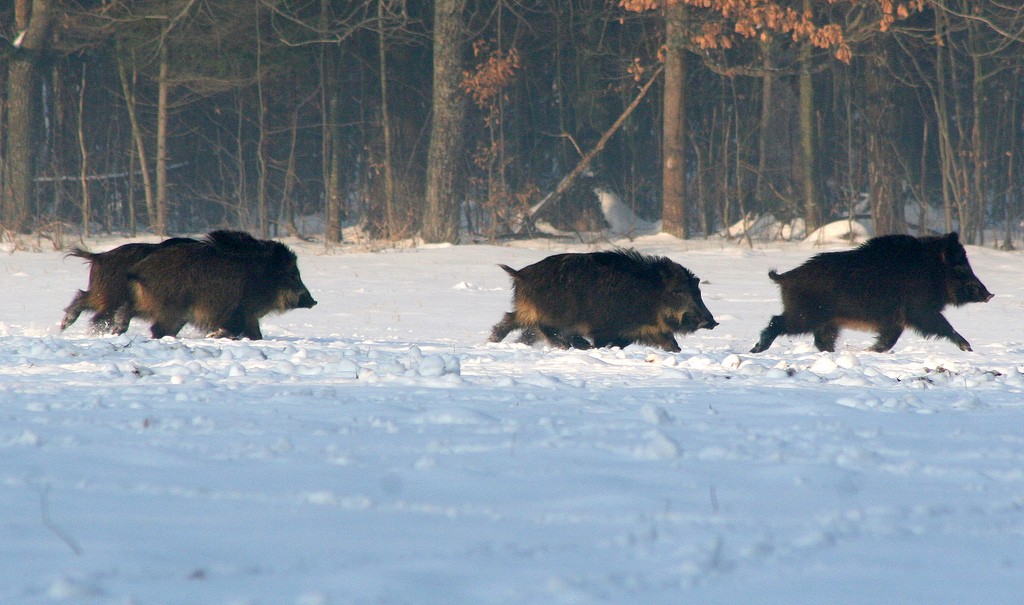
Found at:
<point>888,284</point>
<point>108,292</point>
<point>222,284</point>
<point>612,298</point>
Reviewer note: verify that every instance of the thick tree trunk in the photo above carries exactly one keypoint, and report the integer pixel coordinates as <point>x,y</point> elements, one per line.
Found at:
<point>887,212</point>
<point>330,107</point>
<point>808,152</point>
<point>441,214</point>
<point>673,173</point>
<point>160,226</point>
<point>140,144</point>
<point>262,163</point>
<point>767,106</point>
<point>978,210</point>
<point>83,169</point>
<point>391,227</point>
<point>35,21</point>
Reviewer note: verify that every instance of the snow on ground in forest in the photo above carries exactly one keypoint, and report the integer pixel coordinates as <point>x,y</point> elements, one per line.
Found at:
<point>376,449</point>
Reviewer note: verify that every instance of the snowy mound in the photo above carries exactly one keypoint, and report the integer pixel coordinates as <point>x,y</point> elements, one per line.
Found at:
<point>839,232</point>
<point>621,219</point>
<point>766,227</point>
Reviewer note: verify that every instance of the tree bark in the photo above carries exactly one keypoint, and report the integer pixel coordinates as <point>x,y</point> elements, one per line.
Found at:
<point>391,226</point>
<point>83,170</point>
<point>140,143</point>
<point>887,213</point>
<point>977,211</point>
<point>330,107</point>
<point>808,152</point>
<point>160,225</point>
<point>673,173</point>
<point>35,21</point>
<point>441,213</point>
<point>767,106</point>
<point>262,163</point>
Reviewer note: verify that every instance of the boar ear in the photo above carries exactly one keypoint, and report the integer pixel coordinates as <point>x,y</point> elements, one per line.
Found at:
<point>667,273</point>
<point>954,237</point>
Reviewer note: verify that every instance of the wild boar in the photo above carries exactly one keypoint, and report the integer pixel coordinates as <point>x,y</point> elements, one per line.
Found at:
<point>222,284</point>
<point>886,285</point>
<point>108,291</point>
<point>612,298</point>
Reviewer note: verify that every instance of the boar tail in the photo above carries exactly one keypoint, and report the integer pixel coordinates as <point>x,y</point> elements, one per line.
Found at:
<point>510,271</point>
<point>81,253</point>
<point>774,276</point>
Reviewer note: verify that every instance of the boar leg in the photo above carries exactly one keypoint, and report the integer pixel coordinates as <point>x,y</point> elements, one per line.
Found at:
<point>238,325</point>
<point>776,326</point>
<point>171,327</point>
<point>106,321</point>
<point>578,342</point>
<point>665,340</point>
<point>825,336</point>
<point>78,304</point>
<point>555,337</point>
<point>602,340</point>
<point>121,319</point>
<point>507,324</point>
<point>527,337</point>
<point>252,328</point>
<point>937,325</point>
<point>887,337</point>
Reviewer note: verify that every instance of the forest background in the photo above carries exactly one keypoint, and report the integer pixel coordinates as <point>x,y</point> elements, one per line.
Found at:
<point>462,120</point>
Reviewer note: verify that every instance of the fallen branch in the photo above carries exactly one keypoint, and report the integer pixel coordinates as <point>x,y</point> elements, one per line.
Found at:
<point>586,160</point>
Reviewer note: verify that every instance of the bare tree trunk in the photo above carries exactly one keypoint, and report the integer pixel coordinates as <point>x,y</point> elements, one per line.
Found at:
<point>812,212</point>
<point>330,107</point>
<point>140,144</point>
<point>946,162</point>
<point>160,225</point>
<point>441,214</point>
<point>977,201</point>
<point>287,214</point>
<point>132,159</point>
<point>35,21</point>
<point>241,178</point>
<point>391,228</point>
<point>57,113</point>
<point>887,212</point>
<point>767,80</point>
<point>702,200</point>
<point>262,214</point>
<point>1010,193</point>
<point>83,149</point>
<point>673,175</point>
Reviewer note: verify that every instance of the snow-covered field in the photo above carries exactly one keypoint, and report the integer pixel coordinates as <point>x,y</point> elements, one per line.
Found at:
<point>377,450</point>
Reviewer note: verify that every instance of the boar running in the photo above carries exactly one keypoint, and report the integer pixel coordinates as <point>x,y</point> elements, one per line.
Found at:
<point>108,292</point>
<point>612,298</point>
<point>222,284</point>
<point>888,284</point>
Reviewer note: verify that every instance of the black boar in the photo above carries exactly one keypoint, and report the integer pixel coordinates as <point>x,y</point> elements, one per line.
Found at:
<point>222,284</point>
<point>612,298</point>
<point>886,285</point>
<point>108,291</point>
